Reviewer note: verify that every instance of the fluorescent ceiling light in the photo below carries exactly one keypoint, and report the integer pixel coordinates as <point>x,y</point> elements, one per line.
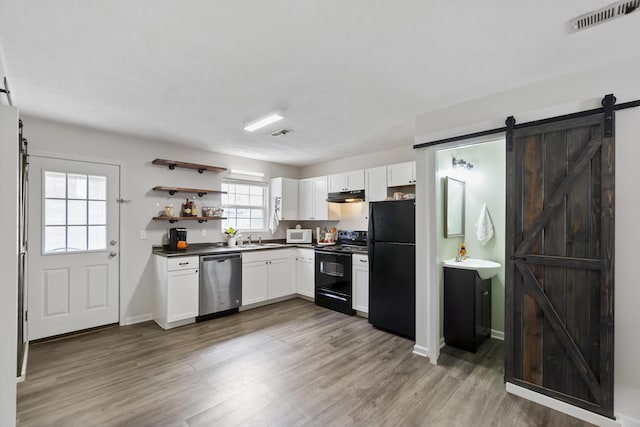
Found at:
<point>265,121</point>
<point>250,173</point>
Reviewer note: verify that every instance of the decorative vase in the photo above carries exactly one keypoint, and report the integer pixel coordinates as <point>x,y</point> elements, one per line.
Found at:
<point>231,241</point>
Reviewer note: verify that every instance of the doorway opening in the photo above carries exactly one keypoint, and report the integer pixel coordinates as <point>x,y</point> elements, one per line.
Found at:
<point>470,213</point>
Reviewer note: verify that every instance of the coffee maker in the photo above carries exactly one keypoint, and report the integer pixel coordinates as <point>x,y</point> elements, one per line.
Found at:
<point>177,239</point>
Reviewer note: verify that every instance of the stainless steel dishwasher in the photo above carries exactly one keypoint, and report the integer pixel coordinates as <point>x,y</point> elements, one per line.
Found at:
<point>220,285</point>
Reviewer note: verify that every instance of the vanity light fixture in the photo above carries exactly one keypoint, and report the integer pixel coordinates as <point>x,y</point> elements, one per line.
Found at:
<point>263,121</point>
<point>461,163</point>
<point>249,173</point>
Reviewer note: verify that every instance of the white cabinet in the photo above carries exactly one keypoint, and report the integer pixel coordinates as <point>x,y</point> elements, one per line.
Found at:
<point>401,174</point>
<point>360,273</point>
<point>284,196</point>
<point>305,272</point>
<point>347,181</point>
<point>176,290</point>
<point>312,200</point>
<point>266,275</point>
<point>375,180</point>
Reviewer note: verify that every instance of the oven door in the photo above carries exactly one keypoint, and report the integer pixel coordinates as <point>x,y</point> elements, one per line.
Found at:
<point>333,281</point>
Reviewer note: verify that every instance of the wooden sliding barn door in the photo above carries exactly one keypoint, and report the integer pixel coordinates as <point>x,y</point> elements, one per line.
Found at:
<point>559,270</point>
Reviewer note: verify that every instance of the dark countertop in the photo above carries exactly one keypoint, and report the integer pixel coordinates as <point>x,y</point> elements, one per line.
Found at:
<point>220,248</point>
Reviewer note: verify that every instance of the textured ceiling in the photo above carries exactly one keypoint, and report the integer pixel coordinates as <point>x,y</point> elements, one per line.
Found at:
<point>349,75</point>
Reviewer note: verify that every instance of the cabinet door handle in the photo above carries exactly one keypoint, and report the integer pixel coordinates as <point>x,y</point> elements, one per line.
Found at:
<point>183,263</point>
<point>363,260</point>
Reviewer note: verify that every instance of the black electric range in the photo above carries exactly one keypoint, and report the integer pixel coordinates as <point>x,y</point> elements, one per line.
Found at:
<point>333,285</point>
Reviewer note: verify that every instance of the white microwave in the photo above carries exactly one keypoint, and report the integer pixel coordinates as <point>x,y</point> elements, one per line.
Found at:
<point>299,235</point>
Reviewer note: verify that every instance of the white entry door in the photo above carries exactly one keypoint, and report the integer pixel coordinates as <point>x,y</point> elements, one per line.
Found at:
<point>73,245</point>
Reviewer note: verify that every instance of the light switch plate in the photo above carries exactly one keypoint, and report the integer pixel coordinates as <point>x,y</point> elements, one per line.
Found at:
<point>143,234</point>
<point>203,232</point>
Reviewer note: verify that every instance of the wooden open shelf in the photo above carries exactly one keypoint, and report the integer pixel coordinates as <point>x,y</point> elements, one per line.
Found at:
<point>200,219</point>
<point>172,164</point>
<point>199,191</point>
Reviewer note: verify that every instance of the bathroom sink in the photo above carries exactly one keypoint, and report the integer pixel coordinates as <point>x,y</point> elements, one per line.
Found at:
<point>486,269</point>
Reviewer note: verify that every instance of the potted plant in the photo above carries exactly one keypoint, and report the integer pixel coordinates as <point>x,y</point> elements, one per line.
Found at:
<point>231,234</point>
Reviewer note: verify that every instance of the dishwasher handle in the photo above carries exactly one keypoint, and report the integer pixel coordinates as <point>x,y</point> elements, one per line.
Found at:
<point>220,258</point>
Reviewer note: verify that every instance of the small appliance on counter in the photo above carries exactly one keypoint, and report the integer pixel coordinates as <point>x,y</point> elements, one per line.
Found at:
<point>177,239</point>
<point>299,235</point>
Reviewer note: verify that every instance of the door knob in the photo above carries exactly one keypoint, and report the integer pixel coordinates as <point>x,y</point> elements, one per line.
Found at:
<point>113,243</point>
<point>112,254</point>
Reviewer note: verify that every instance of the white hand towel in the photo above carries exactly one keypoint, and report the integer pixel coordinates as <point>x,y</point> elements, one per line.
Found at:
<point>484,227</point>
<point>273,219</point>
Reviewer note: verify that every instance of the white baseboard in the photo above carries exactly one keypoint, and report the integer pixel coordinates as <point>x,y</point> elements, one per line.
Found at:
<point>420,350</point>
<point>561,406</point>
<point>23,373</point>
<point>137,319</point>
<point>499,335</point>
<point>627,421</point>
<point>442,343</point>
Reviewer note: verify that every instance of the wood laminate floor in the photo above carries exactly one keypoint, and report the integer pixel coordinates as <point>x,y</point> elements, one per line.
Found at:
<point>288,364</point>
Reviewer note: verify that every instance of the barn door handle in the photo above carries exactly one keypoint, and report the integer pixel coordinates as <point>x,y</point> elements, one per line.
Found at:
<point>518,258</point>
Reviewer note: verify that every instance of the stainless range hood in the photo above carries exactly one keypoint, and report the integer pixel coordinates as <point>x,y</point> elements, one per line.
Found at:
<point>346,197</point>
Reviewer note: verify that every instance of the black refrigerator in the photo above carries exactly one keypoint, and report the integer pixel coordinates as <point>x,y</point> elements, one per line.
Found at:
<point>392,272</point>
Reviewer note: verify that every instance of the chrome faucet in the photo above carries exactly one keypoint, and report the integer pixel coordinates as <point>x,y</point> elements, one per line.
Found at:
<point>250,235</point>
<point>260,240</point>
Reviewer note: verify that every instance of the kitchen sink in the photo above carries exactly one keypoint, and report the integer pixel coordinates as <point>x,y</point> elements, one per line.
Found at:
<point>263,245</point>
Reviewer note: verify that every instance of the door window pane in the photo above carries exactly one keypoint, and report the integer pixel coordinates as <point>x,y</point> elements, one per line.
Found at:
<point>77,214</point>
<point>77,186</point>
<point>72,202</point>
<point>77,238</point>
<point>55,185</point>
<point>97,212</point>
<point>97,237</point>
<point>97,187</point>
<point>55,239</point>
<point>55,212</point>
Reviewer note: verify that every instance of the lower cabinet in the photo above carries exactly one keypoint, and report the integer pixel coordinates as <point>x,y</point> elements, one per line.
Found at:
<point>266,275</point>
<point>360,273</point>
<point>467,309</point>
<point>176,290</point>
<point>305,272</point>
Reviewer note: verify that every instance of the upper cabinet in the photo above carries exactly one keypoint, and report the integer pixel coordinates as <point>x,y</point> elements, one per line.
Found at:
<point>401,174</point>
<point>284,198</point>
<point>312,200</point>
<point>375,184</point>
<point>347,181</point>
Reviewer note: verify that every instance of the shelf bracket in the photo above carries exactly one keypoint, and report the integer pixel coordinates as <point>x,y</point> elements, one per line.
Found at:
<point>172,167</point>
<point>172,192</point>
<point>201,194</point>
<point>202,220</point>
<point>173,220</point>
<point>200,170</point>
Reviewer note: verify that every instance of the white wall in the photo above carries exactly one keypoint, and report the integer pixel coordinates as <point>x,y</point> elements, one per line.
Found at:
<point>563,95</point>
<point>9,264</point>
<point>627,292</point>
<point>485,183</point>
<point>139,177</point>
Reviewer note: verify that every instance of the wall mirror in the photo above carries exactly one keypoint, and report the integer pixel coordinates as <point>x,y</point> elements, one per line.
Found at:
<point>454,196</point>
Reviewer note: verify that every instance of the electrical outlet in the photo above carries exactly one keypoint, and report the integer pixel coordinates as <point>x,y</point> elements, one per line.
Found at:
<point>203,232</point>
<point>143,235</point>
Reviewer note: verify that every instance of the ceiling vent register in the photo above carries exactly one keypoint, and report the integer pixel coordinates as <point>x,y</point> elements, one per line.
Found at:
<point>607,13</point>
<point>281,132</point>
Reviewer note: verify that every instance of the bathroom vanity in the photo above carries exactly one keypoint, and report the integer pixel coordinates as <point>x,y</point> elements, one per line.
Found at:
<point>467,308</point>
